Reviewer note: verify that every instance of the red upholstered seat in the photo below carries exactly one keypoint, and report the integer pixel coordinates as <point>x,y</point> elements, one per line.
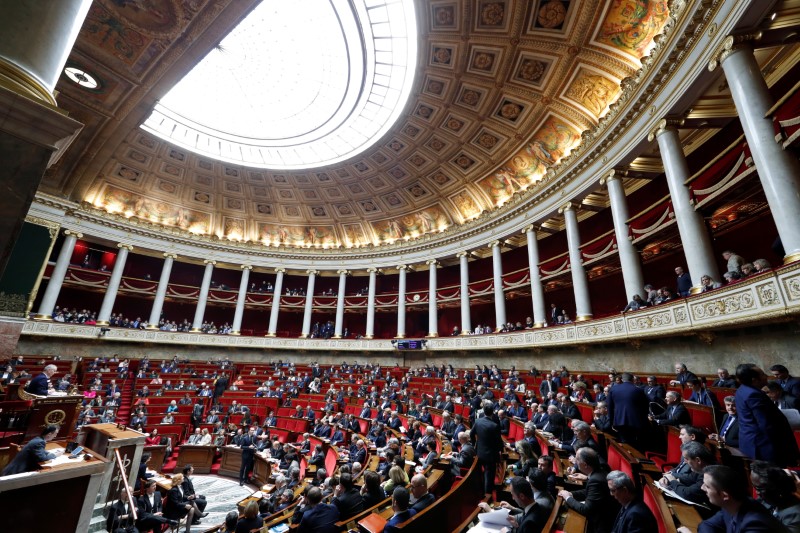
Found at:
<point>650,501</point>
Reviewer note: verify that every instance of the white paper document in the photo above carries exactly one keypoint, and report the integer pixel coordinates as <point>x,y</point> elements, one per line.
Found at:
<point>491,522</point>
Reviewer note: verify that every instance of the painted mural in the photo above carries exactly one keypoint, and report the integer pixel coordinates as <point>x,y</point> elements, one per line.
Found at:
<point>592,91</point>
<point>412,225</point>
<point>296,235</point>
<point>354,234</point>
<point>466,205</point>
<point>554,140</point>
<point>631,25</point>
<point>117,200</point>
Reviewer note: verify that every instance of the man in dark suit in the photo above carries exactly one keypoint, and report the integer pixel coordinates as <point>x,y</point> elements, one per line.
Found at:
<point>151,515</point>
<point>555,312</point>
<point>419,490</point>
<point>675,414</point>
<point>594,502</point>
<point>400,500</point>
<point>41,382</point>
<point>729,428</point>
<point>682,375</point>
<point>627,409</point>
<point>701,396</point>
<point>348,498</point>
<point>318,517</point>
<point>120,515</point>
<point>535,511</point>
<point>29,457</point>
<point>197,413</point>
<point>781,398</point>
<point>248,445</point>
<point>220,385</point>
<point>489,445</point>
<point>788,383</point>
<point>727,489</point>
<point>724,379</point>
<point>655,392</point>
<point>464,457</point>
<point>764,432</point>
<point>546,386</point>
<point>634,516</point>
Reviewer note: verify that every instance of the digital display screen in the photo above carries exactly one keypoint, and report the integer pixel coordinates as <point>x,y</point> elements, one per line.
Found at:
<point>409,344</point>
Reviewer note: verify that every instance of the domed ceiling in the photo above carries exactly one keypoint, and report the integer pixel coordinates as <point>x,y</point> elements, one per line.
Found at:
<point>504,90</point>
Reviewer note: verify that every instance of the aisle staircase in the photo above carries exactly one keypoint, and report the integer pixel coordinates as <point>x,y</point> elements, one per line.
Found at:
<point>128,396</point>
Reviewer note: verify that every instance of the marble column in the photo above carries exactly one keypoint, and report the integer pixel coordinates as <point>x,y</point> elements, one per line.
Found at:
<point>466,318</point>
<point>57,276</point>
<point>580,283</point>
<point>161,291</point>
<point>499,293</point>
<point>629,258</point>
<point>236,327</point>
<point>691,226</point>
<point>202,299</point>
<point>338,327</point>
<point>272,329</point>
<point>113,284</point>
<point>537,291</point>
<point>433,312</point>
<point>373,275</point>
<point>401,301</point>
<point>778,169</point>
<point>306,331</point>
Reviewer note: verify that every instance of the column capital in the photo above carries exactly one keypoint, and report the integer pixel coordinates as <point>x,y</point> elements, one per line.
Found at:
<point>612,175</point>
<point>731,44</point>
<point>665,124</point>
<point>527,229</point>
<point>373,269</point>
<point>343,272</point>
<point>402,267</point>
<point>494,243</point>
<point>462,254</point>
<point>312,272</point>
<point>122,245</point>
<point>170,255</point>
<point>569,206</point>
<point>280,270</point>
<point>73,232</point>
<point>432,263</point>
<point>209,262</point>
<point>246,267</point>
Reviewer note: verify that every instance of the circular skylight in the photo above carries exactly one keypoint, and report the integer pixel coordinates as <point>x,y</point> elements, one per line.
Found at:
<point>296,84</point>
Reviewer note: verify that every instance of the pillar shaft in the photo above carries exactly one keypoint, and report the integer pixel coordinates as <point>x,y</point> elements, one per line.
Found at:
<point>466,318</point>
<point>312,275</point>
<point>628,255</point>
<point>338,327</point>
<point>113,285</point>
<point>433,313</point>
<point>778,170</point>
<point>691,226</point>
<point>401,302</point>
<point>499,294</point>
<point>272,329</point>
<point>580,283</point>
<point>57,277</point>
<point>370,330</point>
<point>236,327</point>
<point>537,291</point>
<point>161,291</point>
<point>202,299</point>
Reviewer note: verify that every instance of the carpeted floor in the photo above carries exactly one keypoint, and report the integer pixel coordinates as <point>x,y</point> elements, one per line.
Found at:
<point>222,495</point>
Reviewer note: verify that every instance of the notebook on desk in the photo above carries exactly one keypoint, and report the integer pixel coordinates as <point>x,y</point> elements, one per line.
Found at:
<point>373,523</point>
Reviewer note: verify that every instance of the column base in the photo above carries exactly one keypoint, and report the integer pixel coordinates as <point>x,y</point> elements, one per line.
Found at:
<point>695,290</point>
<point>234,333</point>
<point>270,335</point>
<point>303,336</point>
<point>151,327</point>
<point>43,317</point>
<point>403,336</point>
<point>195,330</point>
<point>102,323</point>
<point>465,333</point>
<point>337,337</point>
<point>431,335</point>
<point>791,258</point>
<point>583,318</point>
<point>369,337</point>
<point>538,325</point>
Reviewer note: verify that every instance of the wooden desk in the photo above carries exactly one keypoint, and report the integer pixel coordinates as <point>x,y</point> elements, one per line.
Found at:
<point>262,471</point>
<point>157,454</point>
<point>201,457</point>
<point>231,462</point>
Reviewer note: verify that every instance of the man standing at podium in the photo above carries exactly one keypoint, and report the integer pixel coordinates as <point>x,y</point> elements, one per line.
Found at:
<point>28,459</point>
<point>39,384</point>
<point>248,445</point>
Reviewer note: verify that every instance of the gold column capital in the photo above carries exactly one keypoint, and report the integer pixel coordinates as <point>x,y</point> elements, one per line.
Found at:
<point>343,272</point>
<point>462,254</point>
<point>663,125</point>
<point>402,267</point>
<point>76,234</point>
<point>373,269</point>
<point>312,272</point>
<point>170,255</point>
<point>613,174</point>
<point>246,267</point>
<point>528,228</point>
<point>280,270</point>
<point>209,262</point>
<point>495,243</point>
<point>731,44</point>
<point>432,263</point>
<point>122,245</point>
<point>569,206</point>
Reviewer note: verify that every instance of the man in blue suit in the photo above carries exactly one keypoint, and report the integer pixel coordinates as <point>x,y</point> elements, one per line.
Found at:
<point>318,517</point>
<point>727,490</point>
<point>400,500</point>
<point>41,383</point>
<point>627,410</point>
<point>28,459</point>
<point>634,515</point>
<point>764,432</point>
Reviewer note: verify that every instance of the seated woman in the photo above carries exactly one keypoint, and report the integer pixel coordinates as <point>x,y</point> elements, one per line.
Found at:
<point>178,506</point>
<point>172,407</point>
<point>205,439</point>
<point>153,439</point>
<point>527,458</point>
<point>397,478</point>
<point>372,492</point>
<point>168,419</point>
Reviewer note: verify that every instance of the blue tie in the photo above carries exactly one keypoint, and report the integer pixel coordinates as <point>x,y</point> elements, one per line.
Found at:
<point>727,426</point>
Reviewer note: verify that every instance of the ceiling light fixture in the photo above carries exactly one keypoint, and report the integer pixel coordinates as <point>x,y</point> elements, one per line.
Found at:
<point>81,77</point>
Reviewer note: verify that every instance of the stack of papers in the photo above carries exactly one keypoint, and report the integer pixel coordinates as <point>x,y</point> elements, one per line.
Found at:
<point>491,522</point>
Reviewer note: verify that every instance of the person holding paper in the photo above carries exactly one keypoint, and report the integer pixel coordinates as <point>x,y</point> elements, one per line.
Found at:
<point>28,459</point>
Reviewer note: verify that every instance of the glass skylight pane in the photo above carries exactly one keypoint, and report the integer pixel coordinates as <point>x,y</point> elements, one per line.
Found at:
<point>269,88</point>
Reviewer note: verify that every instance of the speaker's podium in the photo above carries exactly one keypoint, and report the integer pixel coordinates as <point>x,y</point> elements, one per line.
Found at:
<point>59,409</point>
<point>106,440</point>
<point>59,497</point>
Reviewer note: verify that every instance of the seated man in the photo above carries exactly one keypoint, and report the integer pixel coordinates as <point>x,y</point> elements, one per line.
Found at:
<point>419,493</point>
<point>150,513</point>
<point>120,515</point>
<point>400,500</point>
<point>594,502</point>
<point>634,515</point>
<point>348,498</point>
<point>28,459</point>
<point>675,414</point>
<point>318,517</point>
<point>689,485</point>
